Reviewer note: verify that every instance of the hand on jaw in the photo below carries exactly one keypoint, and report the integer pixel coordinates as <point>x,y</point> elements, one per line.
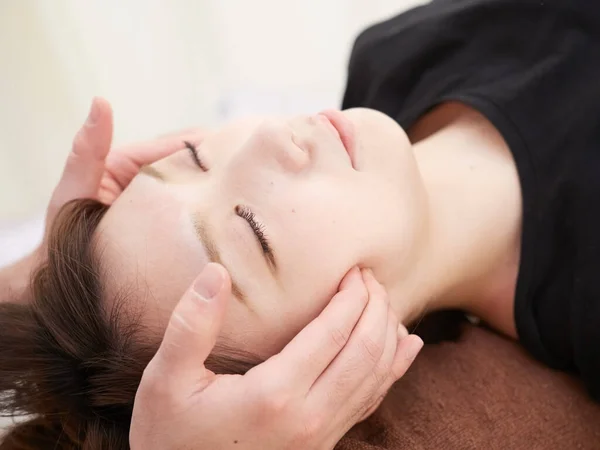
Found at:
<point>333,374</point>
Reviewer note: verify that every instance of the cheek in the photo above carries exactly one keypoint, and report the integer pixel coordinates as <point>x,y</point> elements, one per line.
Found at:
<point>280,319</point>
<point>303,307</point>
<point>148,248</point>
<point>321,232</point>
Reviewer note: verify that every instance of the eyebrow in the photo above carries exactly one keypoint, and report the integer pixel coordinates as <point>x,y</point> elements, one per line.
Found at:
<point>203,236</point>
<point>202,231</point>
<point>152,172</point>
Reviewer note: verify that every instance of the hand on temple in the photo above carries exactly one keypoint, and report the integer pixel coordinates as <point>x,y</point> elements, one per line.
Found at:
<point>93,171</point>
<point>333,374</point>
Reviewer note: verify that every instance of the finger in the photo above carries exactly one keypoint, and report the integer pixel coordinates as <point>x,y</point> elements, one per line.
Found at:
<point>372,409</point>
<point>368,397</point>
<point>360,355</point>
<point>305,358</point>
<point>85,164</point>
<point>125,162</point>
<point>406,352</point>
<point>402,331</point>
<point>193,330</point>
<point>408,349</point>
<point>384,366</point>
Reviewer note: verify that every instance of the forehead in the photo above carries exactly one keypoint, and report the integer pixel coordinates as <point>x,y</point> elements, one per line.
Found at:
<point>236,132</point>
<point>144,234</point>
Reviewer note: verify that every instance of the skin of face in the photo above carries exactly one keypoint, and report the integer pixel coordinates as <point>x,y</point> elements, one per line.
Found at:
<point>292,182</point>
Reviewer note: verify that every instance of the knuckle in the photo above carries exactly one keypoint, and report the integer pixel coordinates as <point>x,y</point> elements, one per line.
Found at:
<point>378,403</point>
<point>358,411</point>
<point>341,385</point>
<point>379,377</point>
<point>276,404</point>
<point>80,141</point>
<point>371,349</point>
<point>384,369</point>
<point>155,389</point>
<point>373,407</point>
<point>73,159</point>
<point>371,401</point>
<point>338,337</point>
<point>274,401</point>
<point>312,428</point>
<point>150,381</point>
<point>399,368</point>
<point>371,393</point>
<point>273,412</point>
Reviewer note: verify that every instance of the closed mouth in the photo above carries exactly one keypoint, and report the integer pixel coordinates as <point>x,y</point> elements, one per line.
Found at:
<point>345,131</point>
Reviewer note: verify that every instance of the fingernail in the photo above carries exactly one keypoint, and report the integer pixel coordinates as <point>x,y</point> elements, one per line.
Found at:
<point>413,350</point>
<point>402,331</point>
<point>92,117</point>
<point>209,283</point>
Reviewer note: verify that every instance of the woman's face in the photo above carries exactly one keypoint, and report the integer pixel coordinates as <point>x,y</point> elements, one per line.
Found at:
<point>282,205</point>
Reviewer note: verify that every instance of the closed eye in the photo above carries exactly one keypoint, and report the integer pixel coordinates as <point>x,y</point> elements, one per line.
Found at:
<point>259,232</point>
<point>195,156</point>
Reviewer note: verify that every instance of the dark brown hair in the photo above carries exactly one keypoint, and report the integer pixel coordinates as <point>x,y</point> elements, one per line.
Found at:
<point>66,362</point>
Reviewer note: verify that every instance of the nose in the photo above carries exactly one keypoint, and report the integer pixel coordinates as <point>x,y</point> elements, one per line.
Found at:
<point>274,142</point>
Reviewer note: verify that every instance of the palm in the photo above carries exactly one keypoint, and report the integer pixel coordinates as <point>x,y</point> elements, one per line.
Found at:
<point>124,163</point>
<point>94,170</point>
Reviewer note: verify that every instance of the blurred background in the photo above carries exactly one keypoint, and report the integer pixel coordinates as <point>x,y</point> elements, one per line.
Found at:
<point>164,65</point>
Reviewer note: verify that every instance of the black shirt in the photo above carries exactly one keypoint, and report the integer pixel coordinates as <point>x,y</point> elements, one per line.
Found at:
<point>532,67</point>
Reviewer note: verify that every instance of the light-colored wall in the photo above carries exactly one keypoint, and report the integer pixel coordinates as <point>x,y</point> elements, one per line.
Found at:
<point>163,64</point>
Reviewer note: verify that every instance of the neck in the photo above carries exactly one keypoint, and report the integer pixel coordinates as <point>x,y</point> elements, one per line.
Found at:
<point>469,255</point>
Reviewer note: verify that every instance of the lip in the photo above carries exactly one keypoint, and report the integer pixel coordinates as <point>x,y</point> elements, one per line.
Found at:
<point>345,130</point>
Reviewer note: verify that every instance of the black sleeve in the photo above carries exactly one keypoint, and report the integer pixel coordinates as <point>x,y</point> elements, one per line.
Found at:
<point>533,69</point>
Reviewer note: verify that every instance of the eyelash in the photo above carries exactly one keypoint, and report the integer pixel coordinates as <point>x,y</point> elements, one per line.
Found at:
<point>241,211</point>
<point>256,226</point>
<point>194,153</point>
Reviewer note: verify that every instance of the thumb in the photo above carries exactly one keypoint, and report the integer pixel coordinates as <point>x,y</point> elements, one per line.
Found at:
<point>193,329</point>
<point>85,164</point>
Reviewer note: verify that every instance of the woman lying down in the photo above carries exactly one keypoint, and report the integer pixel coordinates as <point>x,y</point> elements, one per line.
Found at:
<point>461,173</point>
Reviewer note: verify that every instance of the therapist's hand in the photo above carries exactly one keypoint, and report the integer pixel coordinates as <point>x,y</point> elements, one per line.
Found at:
<point>332,375</point>
<point>93,170</point>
